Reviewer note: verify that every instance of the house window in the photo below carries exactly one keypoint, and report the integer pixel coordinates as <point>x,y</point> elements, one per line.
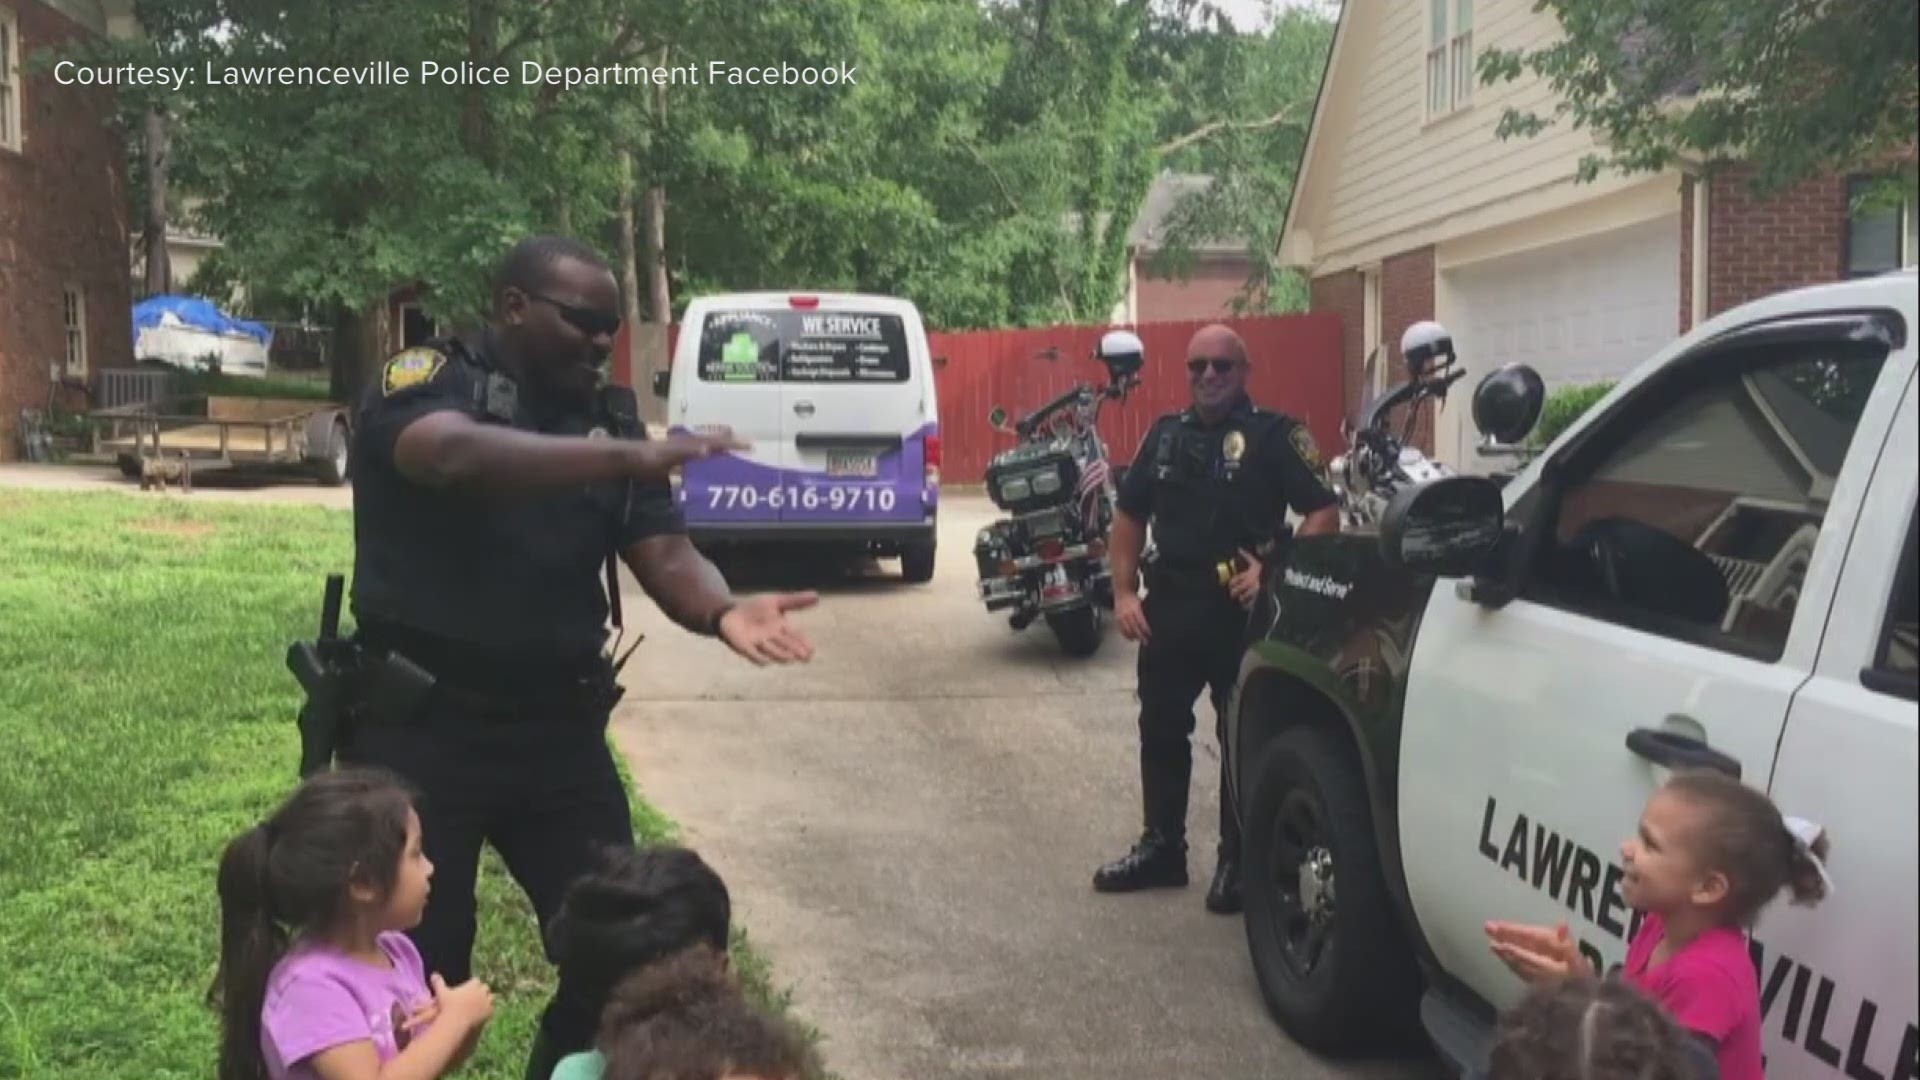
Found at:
<point>1449,56</point>
<point>1880,238</point>
<point>76,323</point>
<point>11,81</point>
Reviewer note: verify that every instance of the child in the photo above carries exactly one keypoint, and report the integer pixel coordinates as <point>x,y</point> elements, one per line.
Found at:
<point>685,1019</point>
<point>1710,855</point>
<point>638,907</point>
<point>315,978</point>
<point>1588,1029</point>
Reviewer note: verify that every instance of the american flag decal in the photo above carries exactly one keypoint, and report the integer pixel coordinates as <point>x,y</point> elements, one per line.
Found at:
<point>1091,482</point>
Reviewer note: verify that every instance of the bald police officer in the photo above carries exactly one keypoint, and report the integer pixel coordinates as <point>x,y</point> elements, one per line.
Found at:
<point>494,476</point>
<point>1214,481</point>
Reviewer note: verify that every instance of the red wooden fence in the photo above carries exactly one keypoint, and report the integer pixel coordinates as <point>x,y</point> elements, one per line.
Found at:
<point>1296,369</point>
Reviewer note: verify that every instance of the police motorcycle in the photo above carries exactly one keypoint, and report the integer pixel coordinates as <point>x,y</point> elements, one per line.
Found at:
<point>1048,557</point>
<point>1379,461</point>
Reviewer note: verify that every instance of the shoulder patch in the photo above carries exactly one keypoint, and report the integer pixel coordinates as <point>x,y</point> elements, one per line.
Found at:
<point>1303,444</point>
<point>410,368</point>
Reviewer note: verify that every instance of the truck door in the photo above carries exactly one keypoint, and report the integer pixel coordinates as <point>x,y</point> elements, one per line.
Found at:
<point>1838,982</point>
<point>1687,545</point>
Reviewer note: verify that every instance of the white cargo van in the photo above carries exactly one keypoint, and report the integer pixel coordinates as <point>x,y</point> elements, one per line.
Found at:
<point>836,394</point>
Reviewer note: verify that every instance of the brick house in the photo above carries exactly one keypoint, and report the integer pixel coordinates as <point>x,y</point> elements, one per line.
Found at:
<point>1219,271</point>
<point>1408,207</point>
<point>64,296</point>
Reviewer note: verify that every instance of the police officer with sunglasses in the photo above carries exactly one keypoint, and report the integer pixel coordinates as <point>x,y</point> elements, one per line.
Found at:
<point>1214,482</point>
<point>495,481</point>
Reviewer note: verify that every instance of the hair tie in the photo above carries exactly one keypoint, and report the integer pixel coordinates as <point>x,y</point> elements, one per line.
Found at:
<point>1805,834</point>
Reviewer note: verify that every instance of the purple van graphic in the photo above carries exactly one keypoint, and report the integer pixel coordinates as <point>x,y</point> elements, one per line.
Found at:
<point>846,480</point>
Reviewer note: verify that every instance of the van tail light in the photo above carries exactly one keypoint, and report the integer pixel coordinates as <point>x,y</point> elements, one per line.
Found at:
<point>804,303</point>
<point>931,445</point>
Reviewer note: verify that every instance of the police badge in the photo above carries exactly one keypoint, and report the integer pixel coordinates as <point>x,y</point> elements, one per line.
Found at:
<point>1232,449</point>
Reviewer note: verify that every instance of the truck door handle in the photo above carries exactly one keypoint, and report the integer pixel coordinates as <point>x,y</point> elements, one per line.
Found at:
<point>803,409</point>
<point>1677,751</point>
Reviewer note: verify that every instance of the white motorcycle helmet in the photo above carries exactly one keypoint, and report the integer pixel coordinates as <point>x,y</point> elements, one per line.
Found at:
<point>1426,345</point>
<point>1122,352</point>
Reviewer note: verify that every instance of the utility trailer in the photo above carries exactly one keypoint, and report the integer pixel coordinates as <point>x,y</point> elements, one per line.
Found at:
<point>172,438</point>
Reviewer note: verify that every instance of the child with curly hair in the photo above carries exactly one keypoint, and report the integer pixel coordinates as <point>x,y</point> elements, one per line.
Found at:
<point>638,906</point>
<point>686,1019</point>
<point>1590,1029</point>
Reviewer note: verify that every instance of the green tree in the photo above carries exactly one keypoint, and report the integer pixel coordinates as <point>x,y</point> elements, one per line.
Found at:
<point>1795,88</point>
<point>1244,108</point>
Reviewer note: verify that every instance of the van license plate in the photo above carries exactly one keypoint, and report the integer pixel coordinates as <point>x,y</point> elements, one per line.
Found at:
<point>851,463</point>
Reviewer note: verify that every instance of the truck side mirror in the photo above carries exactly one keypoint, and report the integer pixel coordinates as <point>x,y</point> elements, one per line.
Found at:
<point>1449,527</point>
<point>662,381</point>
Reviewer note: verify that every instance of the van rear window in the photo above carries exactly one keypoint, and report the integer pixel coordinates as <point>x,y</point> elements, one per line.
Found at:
<point>764,346</point>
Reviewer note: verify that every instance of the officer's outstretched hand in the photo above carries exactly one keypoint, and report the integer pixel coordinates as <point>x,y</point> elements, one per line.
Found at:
<point>758,628</point>
<point>1245,585</point>
<point>655,459</point>
<point>1131,615</point>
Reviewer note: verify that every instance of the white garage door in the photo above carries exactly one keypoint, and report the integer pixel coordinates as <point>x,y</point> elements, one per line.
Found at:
<point>1579,312</point>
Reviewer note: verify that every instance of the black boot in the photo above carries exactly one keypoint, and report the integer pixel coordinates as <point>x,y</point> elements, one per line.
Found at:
<point>1154,863</point>
<point>1223,897</point>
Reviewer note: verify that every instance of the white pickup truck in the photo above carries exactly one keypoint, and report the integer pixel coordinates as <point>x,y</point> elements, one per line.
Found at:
<point>1458,716</point>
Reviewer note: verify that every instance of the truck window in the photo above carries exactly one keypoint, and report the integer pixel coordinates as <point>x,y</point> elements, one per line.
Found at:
<point>1699,514</point>
<point>1896,665</point>
<point>775,345</point>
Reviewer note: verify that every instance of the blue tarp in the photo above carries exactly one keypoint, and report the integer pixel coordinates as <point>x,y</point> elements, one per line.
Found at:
<point>195,312</point>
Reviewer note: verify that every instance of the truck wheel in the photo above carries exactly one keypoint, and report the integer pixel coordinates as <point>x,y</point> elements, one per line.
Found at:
<point>1329,956</point>
<point>916,561</point>
<point>1078,630</point>
<point>332,469</point>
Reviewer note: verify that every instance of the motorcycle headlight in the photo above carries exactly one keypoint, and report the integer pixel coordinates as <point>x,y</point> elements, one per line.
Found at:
<point>1015,488</point>
<point>1046,483</point>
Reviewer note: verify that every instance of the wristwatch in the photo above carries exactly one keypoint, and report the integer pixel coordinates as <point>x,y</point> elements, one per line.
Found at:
<point>713,620</point>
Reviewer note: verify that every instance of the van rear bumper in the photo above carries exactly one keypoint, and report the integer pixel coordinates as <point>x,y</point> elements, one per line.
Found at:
<point>887,532</point>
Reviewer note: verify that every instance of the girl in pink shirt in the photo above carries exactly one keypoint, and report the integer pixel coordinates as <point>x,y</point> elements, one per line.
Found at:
<point>317,979</point>
<point>1711,853</point>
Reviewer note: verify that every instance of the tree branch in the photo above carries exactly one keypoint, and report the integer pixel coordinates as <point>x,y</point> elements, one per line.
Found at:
<point>1208,129</point>
<point>1006,193</point>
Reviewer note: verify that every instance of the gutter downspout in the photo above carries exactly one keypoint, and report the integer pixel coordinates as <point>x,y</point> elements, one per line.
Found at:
<point>1700,254</point>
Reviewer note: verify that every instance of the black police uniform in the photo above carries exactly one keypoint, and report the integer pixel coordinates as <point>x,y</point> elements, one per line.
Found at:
<point>1208,491</point>
<point>502,600</point>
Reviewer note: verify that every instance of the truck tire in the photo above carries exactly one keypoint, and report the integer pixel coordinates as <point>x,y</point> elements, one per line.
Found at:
<point>333,468</point>
<point>916,561</point>
<point>1330,957</point>
<point>1079,630</point>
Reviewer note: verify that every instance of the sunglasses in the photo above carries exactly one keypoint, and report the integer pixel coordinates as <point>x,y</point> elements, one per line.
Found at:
<point>589,321</point>
<point>1221,364</point>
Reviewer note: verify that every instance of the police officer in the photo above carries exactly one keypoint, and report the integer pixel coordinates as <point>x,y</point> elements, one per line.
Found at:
<point>493,477</point>
<point>1214,481</point>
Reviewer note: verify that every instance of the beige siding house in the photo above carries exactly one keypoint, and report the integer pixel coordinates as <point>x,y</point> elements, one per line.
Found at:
<point>1409,207</point>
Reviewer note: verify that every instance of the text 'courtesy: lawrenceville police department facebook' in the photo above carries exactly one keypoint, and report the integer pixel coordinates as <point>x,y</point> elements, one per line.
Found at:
<point>429,73</point>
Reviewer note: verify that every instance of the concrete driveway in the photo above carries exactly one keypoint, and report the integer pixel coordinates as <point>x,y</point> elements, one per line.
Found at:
<point>909,826</point>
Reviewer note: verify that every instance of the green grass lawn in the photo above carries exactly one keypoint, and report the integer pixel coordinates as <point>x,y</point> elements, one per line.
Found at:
<point>147,716</point>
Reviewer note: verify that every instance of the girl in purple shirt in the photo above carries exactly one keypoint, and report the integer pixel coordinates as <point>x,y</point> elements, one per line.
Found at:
<point>1710,854</point>
<point>317,980</point>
